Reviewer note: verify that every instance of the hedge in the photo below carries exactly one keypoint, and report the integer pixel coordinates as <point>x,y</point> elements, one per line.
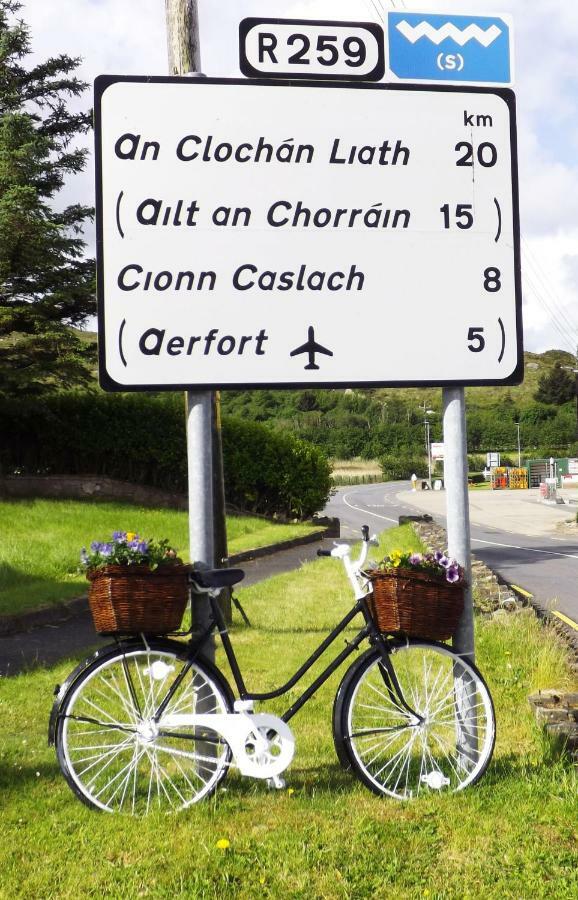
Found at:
<point>141,438</point>
<point>401,466</point>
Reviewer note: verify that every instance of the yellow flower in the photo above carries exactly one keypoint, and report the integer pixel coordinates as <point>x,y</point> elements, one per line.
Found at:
<point>223,844</point>
<point>290,791</point>
<point>130,535</point>
<point>395,557</point>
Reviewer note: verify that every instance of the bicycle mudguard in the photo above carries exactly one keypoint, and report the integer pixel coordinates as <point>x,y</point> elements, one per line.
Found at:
<point>61,690</point>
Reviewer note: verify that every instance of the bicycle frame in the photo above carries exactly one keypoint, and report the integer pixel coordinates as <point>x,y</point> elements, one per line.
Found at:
<point>369,631</point>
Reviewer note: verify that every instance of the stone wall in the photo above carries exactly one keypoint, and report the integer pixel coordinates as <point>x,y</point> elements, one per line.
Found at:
<point>489,593</point>
<point>83,487</point>
<point>558,713</point>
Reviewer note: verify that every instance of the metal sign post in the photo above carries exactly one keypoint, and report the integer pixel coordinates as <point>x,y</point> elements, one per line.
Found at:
<point>457,507</point>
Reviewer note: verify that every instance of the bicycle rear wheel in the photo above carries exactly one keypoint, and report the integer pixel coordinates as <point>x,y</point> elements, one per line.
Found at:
<point>111,751</point>
<point>446,746</point>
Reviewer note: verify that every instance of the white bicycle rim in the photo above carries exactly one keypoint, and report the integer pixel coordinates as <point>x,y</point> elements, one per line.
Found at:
<point>403,758</point>
<point>110,751</point>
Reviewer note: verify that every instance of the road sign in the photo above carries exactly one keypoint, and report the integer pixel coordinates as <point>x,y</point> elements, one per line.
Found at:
<point>286,234</point>
<point>437,450</point>
<point>475,49</point>
<point>307,48</point>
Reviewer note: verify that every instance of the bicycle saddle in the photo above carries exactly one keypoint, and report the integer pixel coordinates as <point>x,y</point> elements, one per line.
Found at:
<point>217,578</point>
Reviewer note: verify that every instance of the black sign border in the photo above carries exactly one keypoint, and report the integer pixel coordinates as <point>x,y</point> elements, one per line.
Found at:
<point>102,82</point>
<point>376,74</point>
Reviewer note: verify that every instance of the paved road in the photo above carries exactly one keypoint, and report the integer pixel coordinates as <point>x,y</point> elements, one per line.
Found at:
<point>537,558</point>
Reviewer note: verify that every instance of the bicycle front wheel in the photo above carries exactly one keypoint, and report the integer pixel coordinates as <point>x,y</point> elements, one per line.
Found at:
<point>111,751</point>
<point>443,742</point>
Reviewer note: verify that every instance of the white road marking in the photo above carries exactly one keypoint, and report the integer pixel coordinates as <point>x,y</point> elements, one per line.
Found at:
<point>529,549</point>
<point>367,511</point>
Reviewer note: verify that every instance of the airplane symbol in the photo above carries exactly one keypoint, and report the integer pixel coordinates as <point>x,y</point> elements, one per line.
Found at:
<point>311,347</point>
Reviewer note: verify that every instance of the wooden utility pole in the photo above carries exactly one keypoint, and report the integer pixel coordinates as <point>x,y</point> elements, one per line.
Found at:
<point>207,533</point>
<point>183,43</point>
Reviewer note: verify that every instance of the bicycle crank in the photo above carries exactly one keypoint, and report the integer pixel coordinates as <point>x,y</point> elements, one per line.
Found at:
<point>262,745</point>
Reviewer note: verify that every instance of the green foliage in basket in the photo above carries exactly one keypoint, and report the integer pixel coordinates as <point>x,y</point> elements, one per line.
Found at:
<point>128,549</point>
<point>437,564</point>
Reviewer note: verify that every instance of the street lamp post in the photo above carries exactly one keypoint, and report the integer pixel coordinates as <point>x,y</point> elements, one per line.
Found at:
<point>428,443</point>
<point>428,450</point>
<point>517,424</point>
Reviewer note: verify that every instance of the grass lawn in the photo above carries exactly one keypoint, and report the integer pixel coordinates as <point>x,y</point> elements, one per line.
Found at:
<point>42,539</point>
<point>325,836</point>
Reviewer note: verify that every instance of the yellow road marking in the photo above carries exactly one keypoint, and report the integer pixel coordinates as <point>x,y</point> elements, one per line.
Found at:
<point>554,612</point>
<point>521,590</point>
<point>565,619</point>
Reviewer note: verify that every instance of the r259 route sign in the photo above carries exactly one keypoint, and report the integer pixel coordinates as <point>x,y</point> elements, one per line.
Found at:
<point>255,233</point>
<point>308,48</point>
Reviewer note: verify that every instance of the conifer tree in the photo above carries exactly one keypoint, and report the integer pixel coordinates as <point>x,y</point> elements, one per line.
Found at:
<point>556,386</point>
<point>46,283</point>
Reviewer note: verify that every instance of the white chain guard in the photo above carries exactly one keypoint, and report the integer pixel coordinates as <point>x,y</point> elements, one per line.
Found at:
<point>246,734</point>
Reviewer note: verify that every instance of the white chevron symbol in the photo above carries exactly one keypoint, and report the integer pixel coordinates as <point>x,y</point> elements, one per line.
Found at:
<point>449,30</point>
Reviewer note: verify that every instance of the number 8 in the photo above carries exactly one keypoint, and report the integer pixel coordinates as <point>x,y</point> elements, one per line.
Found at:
<point>492,281</point>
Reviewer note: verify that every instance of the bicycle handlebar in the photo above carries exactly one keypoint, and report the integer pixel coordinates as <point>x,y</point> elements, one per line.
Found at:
<point>343,551</point>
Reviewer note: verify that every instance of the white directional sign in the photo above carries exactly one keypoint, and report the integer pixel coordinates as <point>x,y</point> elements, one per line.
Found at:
<point>275,234</point>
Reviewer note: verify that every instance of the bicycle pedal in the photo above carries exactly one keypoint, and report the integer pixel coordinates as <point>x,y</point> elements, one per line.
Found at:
<point>276,783</point>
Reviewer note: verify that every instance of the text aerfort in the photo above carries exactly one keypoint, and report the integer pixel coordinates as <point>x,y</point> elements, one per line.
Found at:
<point>193,147</point>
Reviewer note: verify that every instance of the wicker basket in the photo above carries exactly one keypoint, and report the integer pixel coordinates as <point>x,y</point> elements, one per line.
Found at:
<point>133,599</point>
<point>414,603</point>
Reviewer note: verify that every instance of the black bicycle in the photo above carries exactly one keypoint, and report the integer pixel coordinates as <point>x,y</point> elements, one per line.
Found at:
<point>149,723</point>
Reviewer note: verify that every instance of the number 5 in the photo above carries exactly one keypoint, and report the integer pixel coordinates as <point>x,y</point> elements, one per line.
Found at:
<point>477,342</point>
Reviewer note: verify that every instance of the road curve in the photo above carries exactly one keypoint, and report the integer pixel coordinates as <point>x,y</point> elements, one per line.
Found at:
<point>544,565</point>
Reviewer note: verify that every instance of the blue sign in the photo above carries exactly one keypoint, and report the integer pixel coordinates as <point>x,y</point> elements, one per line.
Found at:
<point>449,48</point>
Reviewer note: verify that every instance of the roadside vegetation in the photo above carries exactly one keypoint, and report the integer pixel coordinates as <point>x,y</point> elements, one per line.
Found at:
<point>42,539</point>
<point>513,835</point>
<point>373,424</point>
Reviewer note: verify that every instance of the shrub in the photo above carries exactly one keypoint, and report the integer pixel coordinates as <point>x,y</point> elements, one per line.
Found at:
<point>273,472</point>
<point>476,462</point>
<point>400,466</point>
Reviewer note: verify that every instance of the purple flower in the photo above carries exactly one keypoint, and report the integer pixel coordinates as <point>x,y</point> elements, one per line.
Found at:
<point>119,536</point>
<point>452,574</point>
<point>415,559</point>
<point>142,547</point>
<point>444,561</point>
<point>106,549</point>
<point>438,556</point>
<point>95,546</point>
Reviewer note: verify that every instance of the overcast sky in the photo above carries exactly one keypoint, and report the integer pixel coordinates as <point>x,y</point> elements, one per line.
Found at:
<point>128,37</point>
